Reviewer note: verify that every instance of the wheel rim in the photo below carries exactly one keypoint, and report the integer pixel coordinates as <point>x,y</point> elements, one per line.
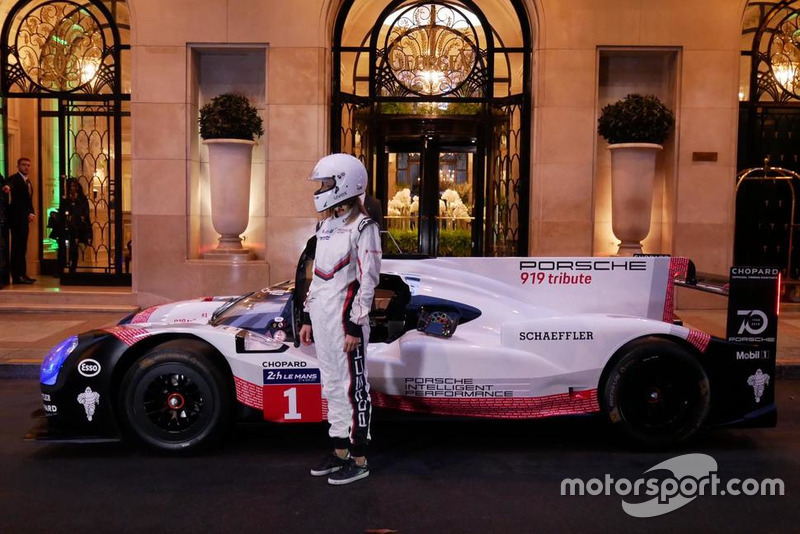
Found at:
<point>659,397</point>
<point>173,403</point>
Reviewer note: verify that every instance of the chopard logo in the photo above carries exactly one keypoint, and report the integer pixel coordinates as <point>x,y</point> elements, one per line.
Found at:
<point>738,271</point>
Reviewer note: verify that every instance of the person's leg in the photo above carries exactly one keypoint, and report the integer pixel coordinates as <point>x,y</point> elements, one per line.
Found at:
<point>360,408</point>
<point>19,245</point>
<point>335,381</point>
<point>360,415</point>
<point>328,343</point>
<point>74,247</point>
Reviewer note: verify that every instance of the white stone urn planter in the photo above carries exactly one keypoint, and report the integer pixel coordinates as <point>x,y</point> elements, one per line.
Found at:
<point>633,169</point>
<point>229,168</point>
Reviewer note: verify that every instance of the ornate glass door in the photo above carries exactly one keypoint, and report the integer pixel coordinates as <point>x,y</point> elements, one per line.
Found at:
<point>90,138</point>
<point>432,191</point>
<point>439,76</point>
<point>70,57</point>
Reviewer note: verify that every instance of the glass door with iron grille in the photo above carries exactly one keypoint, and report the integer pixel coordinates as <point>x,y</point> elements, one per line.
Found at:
<point>431,208</point>
<point>83,215</point>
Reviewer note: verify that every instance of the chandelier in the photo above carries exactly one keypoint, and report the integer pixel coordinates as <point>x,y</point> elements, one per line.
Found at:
<point>433,49</point>
<point>60,46</point>
<point>784,54</point>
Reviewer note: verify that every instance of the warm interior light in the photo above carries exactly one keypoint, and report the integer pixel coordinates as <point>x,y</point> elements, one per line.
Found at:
<point>468,15</point>
<point>432,78</point>
<point>88,70</point>
<point>785,74</point>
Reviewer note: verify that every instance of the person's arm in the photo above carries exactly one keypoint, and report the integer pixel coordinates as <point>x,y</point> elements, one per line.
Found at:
<point>305,328</point>
<point>306,332</point>
<point>29,195</point>
<point>368,250</point>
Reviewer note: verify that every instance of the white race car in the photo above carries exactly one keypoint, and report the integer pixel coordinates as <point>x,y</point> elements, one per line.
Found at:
<point>479,337</point>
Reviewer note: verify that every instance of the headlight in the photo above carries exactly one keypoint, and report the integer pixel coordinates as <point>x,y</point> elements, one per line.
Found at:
<point>254,342</point>
<point>52,363</point>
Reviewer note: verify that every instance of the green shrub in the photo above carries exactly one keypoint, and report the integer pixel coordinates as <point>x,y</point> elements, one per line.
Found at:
<point>230,116</point>
<point>451,242</point>
<point>636,119</point>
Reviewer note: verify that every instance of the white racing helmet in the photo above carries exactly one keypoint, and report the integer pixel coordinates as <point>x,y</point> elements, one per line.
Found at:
<point>341,177</point>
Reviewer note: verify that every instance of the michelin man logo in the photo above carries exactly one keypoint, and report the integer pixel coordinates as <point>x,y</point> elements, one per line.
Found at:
<point>758,382</point>
<point>89,399</point>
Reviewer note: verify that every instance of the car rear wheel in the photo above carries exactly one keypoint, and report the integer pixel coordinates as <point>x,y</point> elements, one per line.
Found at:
<point>657,394</point>
<point>175,399</point>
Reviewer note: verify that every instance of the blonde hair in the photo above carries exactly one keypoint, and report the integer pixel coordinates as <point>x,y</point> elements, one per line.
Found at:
<point>350,202</point>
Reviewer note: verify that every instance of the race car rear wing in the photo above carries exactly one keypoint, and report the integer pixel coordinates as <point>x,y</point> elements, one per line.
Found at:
<point>706,282</point>
<point>753,301</point>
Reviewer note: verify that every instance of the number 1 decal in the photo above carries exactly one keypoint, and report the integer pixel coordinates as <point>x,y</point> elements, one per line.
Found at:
<point>292,414</point>
<point>292,395</point>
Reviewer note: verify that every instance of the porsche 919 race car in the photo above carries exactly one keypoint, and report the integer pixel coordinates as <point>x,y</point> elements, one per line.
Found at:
<point>517,338</point>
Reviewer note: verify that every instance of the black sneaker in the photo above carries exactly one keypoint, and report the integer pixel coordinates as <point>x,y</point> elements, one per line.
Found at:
<point>349,473</point>
<point>330,464</point>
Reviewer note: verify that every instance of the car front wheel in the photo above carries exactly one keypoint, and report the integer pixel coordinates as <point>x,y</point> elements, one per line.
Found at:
<point>175,399</point>
<point>657,393</point>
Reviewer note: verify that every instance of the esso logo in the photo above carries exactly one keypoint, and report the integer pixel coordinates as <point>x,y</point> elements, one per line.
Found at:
<point>89,368</point>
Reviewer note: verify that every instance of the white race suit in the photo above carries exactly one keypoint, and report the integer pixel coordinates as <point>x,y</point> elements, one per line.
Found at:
<point>347,268</point>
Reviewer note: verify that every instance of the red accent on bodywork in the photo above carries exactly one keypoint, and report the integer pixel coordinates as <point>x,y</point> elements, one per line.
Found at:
<point>699,339</point>
<point>144,315</point>
<point>249,394</point>
<point>584,394</point>
<point>128,335</point>
<point>581,402</point>
<point>677,267</point>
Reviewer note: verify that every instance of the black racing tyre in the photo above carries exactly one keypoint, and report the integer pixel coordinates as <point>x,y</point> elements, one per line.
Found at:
<point>174,398</point>
<point>657,394</point>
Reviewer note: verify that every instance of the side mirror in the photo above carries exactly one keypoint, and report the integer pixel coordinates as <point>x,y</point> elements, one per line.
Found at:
<point>438,323</point>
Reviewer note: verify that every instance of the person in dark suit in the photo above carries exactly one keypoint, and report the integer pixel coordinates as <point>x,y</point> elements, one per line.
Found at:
<point>3,233</point>
<point>374,209</point>
<point>75,227</point>
<point>20,215</point>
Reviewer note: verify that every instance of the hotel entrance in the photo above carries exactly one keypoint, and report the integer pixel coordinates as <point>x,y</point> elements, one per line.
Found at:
<point>435,101</point>
<point>66,106</point>
<point>430,181</point>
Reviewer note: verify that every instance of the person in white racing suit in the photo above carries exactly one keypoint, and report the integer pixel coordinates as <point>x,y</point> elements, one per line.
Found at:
<point>346,272</point>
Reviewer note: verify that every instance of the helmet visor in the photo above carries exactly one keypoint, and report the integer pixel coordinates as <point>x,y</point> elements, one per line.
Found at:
<point>326,184</point>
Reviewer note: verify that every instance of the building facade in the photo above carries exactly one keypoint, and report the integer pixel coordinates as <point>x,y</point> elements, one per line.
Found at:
<point>496,101</point>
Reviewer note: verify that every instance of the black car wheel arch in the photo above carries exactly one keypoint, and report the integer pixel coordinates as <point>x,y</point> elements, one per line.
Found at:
<point>656,392</point>
<point>174,397</point>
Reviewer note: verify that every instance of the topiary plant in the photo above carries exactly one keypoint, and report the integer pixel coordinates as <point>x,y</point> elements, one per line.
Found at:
<point>230,116</point>
<point>636,119</point>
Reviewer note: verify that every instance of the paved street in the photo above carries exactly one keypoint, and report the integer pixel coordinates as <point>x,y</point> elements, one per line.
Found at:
<point>427,477</point>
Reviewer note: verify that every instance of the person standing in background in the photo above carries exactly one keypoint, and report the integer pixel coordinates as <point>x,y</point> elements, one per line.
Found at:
<point>3,233</point>
<point>75,224</point>
<point>20,215</point>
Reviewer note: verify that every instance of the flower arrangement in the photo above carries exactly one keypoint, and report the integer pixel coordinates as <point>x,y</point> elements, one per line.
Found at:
<point>400,204</point>
<point>450,205</point>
